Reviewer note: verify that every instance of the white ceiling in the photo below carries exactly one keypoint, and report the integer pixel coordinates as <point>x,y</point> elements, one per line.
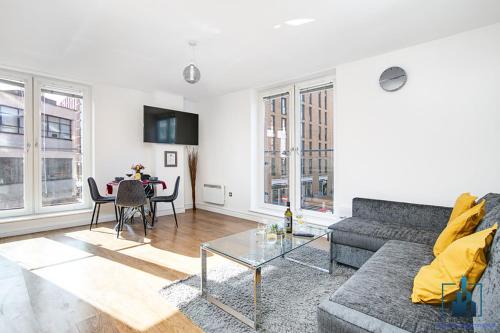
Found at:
<point>142,44</point>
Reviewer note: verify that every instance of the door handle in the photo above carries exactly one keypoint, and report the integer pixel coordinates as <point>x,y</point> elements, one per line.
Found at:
<point>28,146</point>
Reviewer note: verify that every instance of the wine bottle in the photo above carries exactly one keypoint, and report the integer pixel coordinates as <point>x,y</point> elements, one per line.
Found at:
<point>288,219</point>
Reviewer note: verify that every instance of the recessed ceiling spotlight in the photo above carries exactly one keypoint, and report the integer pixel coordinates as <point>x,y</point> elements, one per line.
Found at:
<point>277,26</point>
<point>299,21</point>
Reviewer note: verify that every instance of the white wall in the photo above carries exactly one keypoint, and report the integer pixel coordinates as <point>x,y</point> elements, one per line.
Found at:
<point>118,127</point>
<point>435,138</point>
<point>430,141</point>
<point>225,149</point>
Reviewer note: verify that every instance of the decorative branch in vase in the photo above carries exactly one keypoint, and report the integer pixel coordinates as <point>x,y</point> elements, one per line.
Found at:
<point>193,165</point>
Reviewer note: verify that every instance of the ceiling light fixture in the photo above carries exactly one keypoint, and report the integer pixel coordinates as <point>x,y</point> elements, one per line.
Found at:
<point>191,73</point>
<point>299,21</point>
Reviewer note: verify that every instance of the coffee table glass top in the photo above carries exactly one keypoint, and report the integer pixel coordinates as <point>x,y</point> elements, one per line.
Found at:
<point>255,248</point>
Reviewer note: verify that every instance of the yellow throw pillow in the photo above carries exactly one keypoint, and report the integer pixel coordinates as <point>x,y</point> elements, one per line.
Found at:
<point>460,226</point>
<point>464,202</point>
<point>464,257</point>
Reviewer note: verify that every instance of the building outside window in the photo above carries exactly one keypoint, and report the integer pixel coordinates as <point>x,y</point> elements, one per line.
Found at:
<point>319,116</point>
<point>319,99</point>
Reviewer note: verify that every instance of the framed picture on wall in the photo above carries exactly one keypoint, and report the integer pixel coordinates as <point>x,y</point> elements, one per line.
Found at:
<point>170,159</point>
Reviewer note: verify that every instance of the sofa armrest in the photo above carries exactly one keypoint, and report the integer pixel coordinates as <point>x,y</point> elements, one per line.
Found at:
<point>419,216</point>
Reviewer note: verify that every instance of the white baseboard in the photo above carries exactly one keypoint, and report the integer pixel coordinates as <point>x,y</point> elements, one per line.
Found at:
<point>230,212</point>
<point>24,227</point>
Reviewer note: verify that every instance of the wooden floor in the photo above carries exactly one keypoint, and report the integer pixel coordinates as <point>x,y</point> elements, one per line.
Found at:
<point>76,280</point>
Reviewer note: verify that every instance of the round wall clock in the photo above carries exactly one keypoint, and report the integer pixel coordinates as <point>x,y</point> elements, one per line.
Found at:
<point>393,78</point>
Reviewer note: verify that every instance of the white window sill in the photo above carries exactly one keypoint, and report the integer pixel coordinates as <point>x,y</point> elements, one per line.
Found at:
<point>44,216</point>
<point>317,220</point>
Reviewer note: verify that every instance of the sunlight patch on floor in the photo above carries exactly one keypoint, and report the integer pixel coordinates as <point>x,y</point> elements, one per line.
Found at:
<point>106,238</point>
<point>127,294</point>
<point>40,252</point>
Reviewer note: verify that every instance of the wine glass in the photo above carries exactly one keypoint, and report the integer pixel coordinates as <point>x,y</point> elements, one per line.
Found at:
<point>300,219</point>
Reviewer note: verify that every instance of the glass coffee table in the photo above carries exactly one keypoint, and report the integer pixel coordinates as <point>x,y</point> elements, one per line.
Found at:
<point>253,249</point>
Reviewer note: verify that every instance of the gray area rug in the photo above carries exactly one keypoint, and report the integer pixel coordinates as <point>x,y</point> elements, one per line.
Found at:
<point>290,294</point>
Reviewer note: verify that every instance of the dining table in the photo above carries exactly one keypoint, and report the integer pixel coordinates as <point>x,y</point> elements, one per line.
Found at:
<point>149,189</point>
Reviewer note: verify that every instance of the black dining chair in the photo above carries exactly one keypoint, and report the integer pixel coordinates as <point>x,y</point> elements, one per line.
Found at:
<point>98,201</point>
<point>167,198</point>
<point>130,195</point>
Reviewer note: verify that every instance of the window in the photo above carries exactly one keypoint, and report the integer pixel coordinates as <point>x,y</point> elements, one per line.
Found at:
<point>283,166</point>
<point>326,100</point>
<point>11,120</point>
<point>44,140</point>
<point>273,106</point>
<point>303,178</point>
<point>56,127</point>
<point>283,105</point>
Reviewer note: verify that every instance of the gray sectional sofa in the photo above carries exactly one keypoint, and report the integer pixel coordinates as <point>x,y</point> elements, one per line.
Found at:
<point>389,242</point>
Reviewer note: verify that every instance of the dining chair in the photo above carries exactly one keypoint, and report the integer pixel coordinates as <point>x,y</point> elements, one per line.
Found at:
<point>130,195</point>
<point>167,198</point>
<point>98,201</point>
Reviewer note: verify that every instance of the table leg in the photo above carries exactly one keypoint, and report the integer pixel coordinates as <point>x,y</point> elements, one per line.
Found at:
<point>203,256</point>
<point>257,283</point>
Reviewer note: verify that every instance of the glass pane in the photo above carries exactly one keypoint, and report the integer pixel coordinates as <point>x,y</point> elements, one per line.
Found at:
<point>316,178</point>
<point>255,249</point>
<point>276,160</point>
<point>61,154</point>
<point>12,153</point>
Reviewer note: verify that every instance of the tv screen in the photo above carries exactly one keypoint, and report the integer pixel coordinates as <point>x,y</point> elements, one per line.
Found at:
<point>170,126</point>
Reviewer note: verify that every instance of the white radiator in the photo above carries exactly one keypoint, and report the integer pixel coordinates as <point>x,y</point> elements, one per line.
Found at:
<point>213,193</point>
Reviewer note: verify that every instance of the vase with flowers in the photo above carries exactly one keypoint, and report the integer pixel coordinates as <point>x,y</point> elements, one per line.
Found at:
<point>137,168</point>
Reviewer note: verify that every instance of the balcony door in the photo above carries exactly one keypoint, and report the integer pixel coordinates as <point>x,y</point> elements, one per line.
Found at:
<point>297,149</point>
<point>44,145</point>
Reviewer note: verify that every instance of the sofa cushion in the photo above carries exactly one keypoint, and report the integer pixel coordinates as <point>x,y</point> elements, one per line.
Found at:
<point>372,235</point>
<point>377,297</point>
<point>408,214</point>
<point>492,201</point>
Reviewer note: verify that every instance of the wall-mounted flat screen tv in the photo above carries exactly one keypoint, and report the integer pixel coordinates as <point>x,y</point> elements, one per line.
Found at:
<point>170,126</point>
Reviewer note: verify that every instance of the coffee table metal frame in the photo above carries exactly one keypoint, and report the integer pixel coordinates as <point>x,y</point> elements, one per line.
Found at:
<point>257,281</point>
